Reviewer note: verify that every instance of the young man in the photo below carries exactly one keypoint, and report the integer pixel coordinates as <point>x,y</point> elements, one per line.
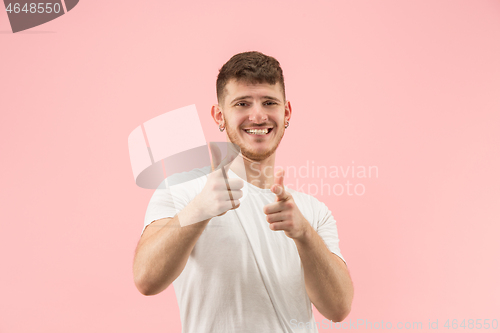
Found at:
<point>245,256</point>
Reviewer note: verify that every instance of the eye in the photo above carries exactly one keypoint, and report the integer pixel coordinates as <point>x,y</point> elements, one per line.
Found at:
<point>270,103</point>
<point>241,104</point>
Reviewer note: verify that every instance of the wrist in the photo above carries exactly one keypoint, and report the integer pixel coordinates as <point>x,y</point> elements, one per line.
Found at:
<point>193,213</point>
<point>306,235</point>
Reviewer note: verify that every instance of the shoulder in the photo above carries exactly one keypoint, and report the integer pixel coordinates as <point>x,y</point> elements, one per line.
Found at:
<point>198,174</point>
<point>312,209</point>
<point>183,184</point>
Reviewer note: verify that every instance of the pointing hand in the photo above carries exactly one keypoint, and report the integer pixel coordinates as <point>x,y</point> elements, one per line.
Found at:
<point>284,213</point>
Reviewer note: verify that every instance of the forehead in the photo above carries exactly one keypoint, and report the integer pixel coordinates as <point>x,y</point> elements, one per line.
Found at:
<point>236,89</point>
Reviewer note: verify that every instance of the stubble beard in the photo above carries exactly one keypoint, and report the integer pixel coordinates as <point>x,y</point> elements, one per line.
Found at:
<point>252,155</point>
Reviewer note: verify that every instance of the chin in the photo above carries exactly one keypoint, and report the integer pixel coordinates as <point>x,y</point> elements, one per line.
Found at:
<point>254,154</point>
<point>257,155</point>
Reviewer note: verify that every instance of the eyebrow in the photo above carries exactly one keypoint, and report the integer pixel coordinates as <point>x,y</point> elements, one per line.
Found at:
<point>263,97</point>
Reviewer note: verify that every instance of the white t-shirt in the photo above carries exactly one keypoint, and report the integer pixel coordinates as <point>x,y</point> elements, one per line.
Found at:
<point>242,276</point>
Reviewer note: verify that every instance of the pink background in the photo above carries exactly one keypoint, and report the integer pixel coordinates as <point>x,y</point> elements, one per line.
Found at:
<point>411,87</point>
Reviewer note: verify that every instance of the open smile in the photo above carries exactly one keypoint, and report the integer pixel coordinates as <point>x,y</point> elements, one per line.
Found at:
<point>259,131</point>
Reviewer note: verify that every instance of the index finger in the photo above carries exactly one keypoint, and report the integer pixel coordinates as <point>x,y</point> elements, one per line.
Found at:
<point>279,176</point>
<point>281,194</point>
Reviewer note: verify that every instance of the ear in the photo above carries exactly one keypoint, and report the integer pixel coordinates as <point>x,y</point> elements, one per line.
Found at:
<point>217,114</point>
<point>288,111</point>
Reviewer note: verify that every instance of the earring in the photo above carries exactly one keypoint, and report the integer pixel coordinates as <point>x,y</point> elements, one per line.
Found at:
<point>221,128</point>
<point>287,124</point>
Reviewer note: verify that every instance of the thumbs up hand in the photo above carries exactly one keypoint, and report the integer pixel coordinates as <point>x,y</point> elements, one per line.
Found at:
<point>284,213</point>
<point>220,193</point>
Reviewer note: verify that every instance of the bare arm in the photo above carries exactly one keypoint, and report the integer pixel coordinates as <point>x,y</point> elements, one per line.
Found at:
<point>328,283</point>
<point>327,279</point>
<point>163,251</point>
<point>165,245</point>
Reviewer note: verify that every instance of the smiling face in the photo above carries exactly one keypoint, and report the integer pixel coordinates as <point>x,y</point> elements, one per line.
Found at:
<point>254,116</point>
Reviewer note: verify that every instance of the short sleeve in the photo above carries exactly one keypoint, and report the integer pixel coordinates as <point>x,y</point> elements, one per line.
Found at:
<point>327,229</point>
<point>173,194</point>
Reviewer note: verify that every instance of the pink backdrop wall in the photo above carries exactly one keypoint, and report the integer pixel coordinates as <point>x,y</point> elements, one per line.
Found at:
<point>411,87</point>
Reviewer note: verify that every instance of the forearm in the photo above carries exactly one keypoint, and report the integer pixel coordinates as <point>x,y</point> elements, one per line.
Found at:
<point>161,257</point>
<point>327,279</point>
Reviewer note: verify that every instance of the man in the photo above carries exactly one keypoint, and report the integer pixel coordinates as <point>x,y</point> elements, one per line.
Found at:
<point>245,256</point>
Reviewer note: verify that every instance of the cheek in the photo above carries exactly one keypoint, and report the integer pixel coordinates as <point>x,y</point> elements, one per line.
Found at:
<point>236,123</point>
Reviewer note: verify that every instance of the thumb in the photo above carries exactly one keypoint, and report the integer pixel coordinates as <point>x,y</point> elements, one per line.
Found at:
<point>232,153</point>
<point>216,155</point>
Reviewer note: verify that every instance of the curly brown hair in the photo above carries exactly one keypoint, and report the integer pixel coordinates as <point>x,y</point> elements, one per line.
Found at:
<point>250,67</point>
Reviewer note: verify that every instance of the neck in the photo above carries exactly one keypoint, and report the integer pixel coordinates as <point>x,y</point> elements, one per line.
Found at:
<point>257,173</point>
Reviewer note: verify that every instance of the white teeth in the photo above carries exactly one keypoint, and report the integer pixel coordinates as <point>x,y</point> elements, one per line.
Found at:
<point>258,131</point>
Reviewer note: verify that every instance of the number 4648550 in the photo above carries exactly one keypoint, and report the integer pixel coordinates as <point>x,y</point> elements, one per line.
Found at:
<point>471,324</point>
<point>34,8</point>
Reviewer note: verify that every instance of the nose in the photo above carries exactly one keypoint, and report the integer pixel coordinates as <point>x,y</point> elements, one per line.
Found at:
<point>257,114</point>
